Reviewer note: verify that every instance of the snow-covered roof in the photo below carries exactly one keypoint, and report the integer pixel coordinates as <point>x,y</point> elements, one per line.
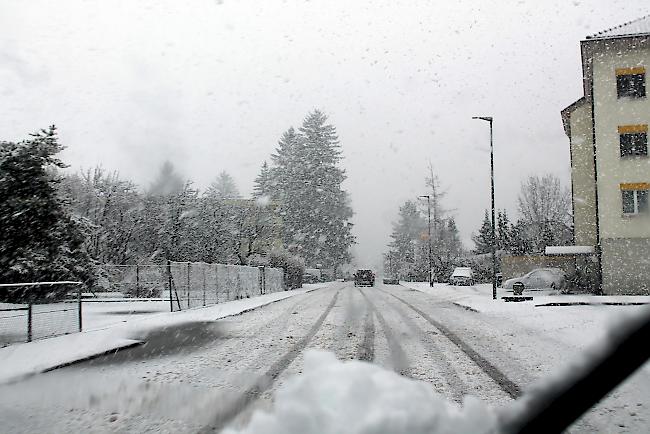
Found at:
<point>640,26</point>
<point>569,250</point>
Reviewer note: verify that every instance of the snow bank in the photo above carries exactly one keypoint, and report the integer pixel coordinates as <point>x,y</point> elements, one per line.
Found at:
<point>358,397</point>
<point>21,360</point>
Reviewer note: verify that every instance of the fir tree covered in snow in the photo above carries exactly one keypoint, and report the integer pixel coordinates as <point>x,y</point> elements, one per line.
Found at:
<point>406,246</point>
<point>40,240</point>
<point>306,183</point>
<point>262,185</point>
<point>503,231</point>
<point>224,187</point>
<point>483,240</point>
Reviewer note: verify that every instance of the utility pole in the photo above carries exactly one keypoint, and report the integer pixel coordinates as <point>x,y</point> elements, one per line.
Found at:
<point>494,257</point>
<point>429,239</point>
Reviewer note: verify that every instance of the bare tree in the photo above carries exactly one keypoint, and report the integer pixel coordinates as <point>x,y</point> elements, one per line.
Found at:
<point>544,200</point>
<point>545,208</point>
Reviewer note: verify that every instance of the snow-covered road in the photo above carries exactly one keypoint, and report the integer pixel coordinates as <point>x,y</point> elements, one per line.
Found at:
<point>203,376</point>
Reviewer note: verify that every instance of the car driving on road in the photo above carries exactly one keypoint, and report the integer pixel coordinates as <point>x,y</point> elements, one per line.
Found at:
<point>540,278</point>
<point>364,278</point>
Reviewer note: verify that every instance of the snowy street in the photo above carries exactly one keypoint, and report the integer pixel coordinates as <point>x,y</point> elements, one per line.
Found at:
<point>204,376</point>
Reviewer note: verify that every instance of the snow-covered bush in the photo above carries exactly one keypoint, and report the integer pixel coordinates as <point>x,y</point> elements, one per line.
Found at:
<point>293,266</point>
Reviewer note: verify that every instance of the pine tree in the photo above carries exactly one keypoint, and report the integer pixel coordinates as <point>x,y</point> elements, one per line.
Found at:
<point>224,187</point>
<point>306,182</point>
<point>167,182</point>
<point>452,237</point>
<point>287,179</point>
<point>262,186</point>
<point>40,240</point>
<point>483,240</point>
<point>406,245</point>
<point>522,238</point>
<point>504,231</point>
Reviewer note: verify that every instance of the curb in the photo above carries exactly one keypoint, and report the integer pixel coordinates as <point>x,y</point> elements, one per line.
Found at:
<point>598,303</point>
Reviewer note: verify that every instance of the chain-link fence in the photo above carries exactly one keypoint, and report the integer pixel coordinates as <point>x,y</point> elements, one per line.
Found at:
<point>30,311</point>
<point>192,284</point>
<point>139,281</point>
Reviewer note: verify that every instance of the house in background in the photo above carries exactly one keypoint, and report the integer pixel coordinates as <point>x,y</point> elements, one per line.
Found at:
<point>610,167</point>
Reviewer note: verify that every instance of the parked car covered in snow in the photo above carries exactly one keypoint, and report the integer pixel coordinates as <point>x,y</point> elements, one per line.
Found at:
<point>540,278</point>
<point>462,276</point>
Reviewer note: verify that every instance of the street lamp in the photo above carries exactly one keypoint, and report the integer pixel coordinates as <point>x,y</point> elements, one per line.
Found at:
<point>494,258</point>
<point>429,226</point>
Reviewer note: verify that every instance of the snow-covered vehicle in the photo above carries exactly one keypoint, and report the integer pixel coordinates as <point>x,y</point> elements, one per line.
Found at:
<point>462,276</point>
<point>540,278</point>
<point>364,278</point>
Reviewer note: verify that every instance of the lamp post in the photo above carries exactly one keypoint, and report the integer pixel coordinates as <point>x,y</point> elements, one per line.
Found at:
<point>494,258</point>
<point>429,226</point>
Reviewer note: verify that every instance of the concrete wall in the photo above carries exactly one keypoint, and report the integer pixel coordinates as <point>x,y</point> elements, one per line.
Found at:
<point>626,266</point>
<point>515,266</point>
<point>582,176</point>
<point>610,112</point>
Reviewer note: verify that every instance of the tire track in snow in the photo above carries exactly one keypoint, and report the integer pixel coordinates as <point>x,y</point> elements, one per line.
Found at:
<point>350,328</point>
<point>458,386</point>
<point>398,357</point>
<point>366,350</point>
<point>238,405</point>
<point>507,385</point>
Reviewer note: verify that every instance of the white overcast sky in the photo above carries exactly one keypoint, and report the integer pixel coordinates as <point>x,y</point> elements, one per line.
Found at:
<point>211,85</point>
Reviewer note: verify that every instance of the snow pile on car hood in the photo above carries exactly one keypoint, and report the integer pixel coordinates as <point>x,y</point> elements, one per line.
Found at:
<point>358,397</point>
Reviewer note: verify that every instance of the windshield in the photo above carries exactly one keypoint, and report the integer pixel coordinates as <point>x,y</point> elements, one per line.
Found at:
<point>320,215</point>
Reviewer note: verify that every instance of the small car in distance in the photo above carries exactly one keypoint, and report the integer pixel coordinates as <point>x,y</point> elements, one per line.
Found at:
<point>364,277</point>
<point>462,276</point>
<point>540,278</point>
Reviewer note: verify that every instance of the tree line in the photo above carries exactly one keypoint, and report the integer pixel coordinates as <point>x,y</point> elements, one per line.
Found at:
<point>60,226</point>
<point>408,253</point>
<point>544,220</point>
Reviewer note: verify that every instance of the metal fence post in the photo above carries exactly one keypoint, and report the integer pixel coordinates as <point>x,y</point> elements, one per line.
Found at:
<point>169,282</point>
<point>188,285</point>
<point>29,322</point>
<point>228,273</point>
<point>137,281</point>
<point>216,282</point>
<point>79,307</point>
<point>263,270</point>
<point>203,268</point>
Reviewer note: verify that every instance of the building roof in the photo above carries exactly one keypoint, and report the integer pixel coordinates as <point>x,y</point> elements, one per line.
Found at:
<point>569,250</point>
<point>566,114</point>
<point>640,26</point>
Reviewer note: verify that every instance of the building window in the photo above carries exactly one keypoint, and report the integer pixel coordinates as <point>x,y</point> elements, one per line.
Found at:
<point>630,82</point>
<point>635,197</point>
<point>634,140</point>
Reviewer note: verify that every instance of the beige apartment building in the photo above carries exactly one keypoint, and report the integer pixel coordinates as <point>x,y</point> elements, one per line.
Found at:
<point>610,167</point>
